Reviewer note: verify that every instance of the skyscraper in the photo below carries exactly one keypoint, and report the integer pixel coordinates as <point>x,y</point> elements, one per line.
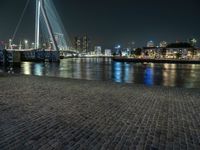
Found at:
<point>77,44</point>
<point>85,44</point>
<point>82,44</point>
<point>98,50</point>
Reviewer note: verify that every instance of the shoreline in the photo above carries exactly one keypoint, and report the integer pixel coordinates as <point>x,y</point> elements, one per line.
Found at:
<point>138,60</point>
<point>5,74</point>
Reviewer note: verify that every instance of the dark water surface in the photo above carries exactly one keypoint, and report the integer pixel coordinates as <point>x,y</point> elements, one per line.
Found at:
<point>176,75</point>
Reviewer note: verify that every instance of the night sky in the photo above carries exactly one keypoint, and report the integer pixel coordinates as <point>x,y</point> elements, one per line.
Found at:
<point>108,22</point>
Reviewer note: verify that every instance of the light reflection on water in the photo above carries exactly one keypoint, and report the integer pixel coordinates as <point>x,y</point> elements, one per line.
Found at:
<point>148,77</point>
<point>180,75</point>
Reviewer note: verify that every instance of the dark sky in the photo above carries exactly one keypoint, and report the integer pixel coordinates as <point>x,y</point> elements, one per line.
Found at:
<point>109,22</point>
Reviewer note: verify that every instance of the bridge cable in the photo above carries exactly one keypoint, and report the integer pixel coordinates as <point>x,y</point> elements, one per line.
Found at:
<point>20,20</point>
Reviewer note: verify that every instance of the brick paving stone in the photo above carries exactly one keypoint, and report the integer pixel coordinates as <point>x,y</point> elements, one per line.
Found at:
<point>55,113</point>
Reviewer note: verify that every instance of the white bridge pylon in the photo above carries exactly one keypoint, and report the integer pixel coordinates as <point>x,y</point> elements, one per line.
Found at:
<point>41,12</point>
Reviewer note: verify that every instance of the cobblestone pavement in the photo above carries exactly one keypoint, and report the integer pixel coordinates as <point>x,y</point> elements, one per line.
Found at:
<point>53,113</point>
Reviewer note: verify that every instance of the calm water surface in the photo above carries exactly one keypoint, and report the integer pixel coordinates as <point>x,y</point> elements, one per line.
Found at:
<point>179,75</point>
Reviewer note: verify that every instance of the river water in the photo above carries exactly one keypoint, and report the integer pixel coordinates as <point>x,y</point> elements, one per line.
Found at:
<point>104,69</point>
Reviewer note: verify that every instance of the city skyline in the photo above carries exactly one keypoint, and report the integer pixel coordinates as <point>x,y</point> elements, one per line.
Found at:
<point>113,22</point>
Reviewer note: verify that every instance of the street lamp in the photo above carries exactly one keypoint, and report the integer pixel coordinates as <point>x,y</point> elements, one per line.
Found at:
<point>10,43</point>
<point>26,44</point>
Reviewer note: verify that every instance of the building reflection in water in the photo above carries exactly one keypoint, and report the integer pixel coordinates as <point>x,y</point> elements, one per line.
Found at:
<point>38,69</point>
<point>117,67</point>
<point>77,72</point>
<point>88,72</point>
<point>169,74</point>
<point>26,68</point>
<point>182,75</point>
<point>128,74</point>
<point>148,77</point>
<point>122,72</point>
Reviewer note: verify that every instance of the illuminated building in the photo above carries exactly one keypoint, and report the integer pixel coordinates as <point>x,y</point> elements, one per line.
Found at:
<point>180,50</point>
<point>151,52</point>
<point>108,52</point>
<point>193,41</point>
<point>77,44</point>
<point>81,44</point>
<point>163,44</point>
<point>85,44</point>
<point>150,44</point>
<point>198,53</point>
<point>98,50</point>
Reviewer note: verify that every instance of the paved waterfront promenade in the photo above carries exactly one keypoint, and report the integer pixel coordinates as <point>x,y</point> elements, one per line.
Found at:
<point>54,113</point>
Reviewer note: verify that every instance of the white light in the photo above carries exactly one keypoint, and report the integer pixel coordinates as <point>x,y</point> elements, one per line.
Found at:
<point>26,41</point>
<point>118,47</point>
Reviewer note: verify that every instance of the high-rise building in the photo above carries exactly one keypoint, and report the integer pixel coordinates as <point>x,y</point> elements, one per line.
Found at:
<point>150,44</point>
<point>108,52</point>
<point>77,44</point>
<point>98,50</point>
<point>85,44</point>
<point>82,44</point>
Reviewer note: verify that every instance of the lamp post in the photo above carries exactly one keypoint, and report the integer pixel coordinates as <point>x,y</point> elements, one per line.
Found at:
<point>26,44</point>
<point>10,44</point>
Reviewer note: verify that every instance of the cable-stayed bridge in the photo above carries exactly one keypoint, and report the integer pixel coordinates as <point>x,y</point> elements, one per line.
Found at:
<point>48,29</point>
